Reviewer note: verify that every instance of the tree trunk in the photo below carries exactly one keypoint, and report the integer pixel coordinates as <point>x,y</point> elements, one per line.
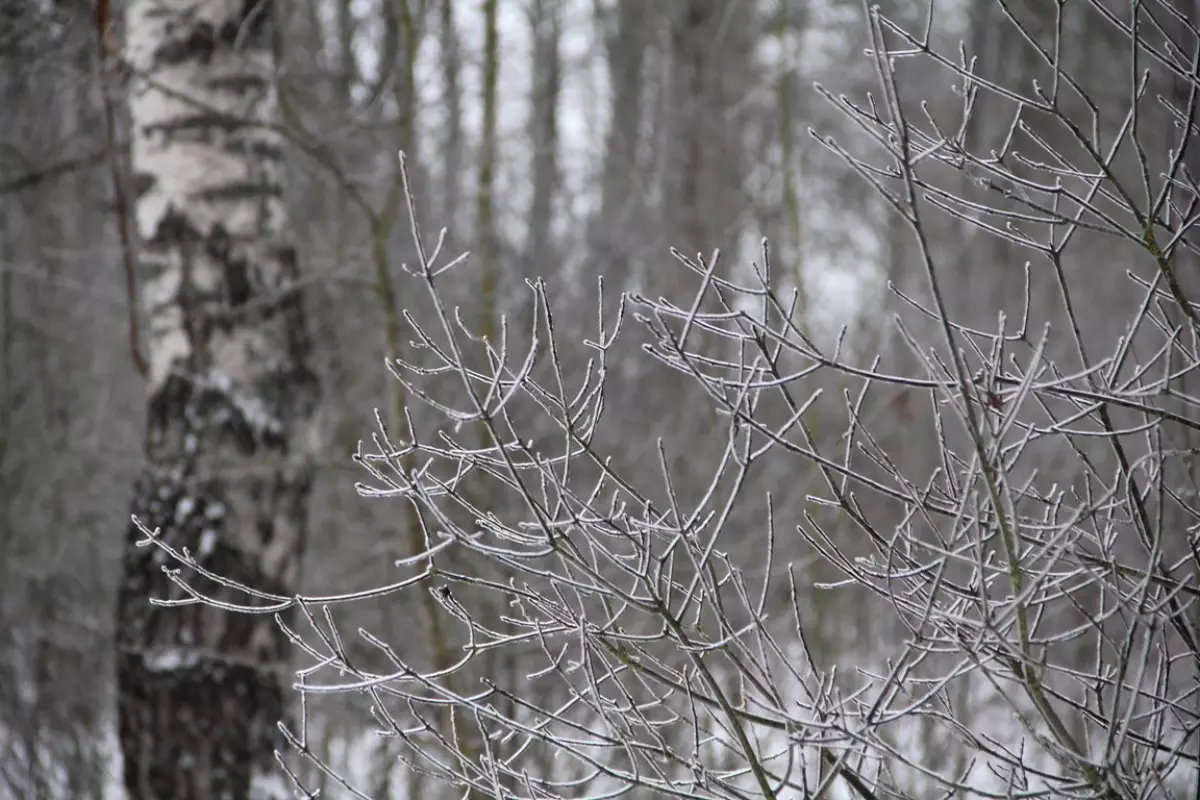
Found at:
<point>622,203</point>
<point>486,237</point>
<point>710,45</point>
<point>546,25</point>
<point>230,432</point>
<point>450,55</point>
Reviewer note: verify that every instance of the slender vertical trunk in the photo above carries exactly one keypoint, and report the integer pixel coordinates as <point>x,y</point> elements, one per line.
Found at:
<point>547,81</point>
<point>230,431</point>
<point>485,217</point>
<point>348,73</point>
<point>789,250</point>
<point>691,56</point>
<point>710,45</point>
<point>452,130</point>
<point>711,42</point>
<point>619,199</point>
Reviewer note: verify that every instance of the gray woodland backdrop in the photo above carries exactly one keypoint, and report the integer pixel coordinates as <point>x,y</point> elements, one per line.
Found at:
<point>968,566</point>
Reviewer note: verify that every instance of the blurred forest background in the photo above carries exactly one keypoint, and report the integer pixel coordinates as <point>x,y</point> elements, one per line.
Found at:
<point>555,140</point>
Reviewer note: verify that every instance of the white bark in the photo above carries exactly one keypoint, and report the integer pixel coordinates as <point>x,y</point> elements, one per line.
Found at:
<point>231,401</point>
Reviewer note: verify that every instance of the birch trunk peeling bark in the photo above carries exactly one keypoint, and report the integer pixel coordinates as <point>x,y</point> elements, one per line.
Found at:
<point>231,400</point>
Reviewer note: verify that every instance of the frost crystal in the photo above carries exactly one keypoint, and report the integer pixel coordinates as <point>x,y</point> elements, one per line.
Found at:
<point>184,509</point>
<point>165,659</point>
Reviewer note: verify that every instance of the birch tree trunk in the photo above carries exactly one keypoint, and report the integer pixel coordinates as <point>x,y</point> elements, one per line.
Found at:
<point>230,432</point>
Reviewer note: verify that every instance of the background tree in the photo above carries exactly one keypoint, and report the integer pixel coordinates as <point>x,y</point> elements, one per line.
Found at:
<point>231,395</point>
<point>66,389</point>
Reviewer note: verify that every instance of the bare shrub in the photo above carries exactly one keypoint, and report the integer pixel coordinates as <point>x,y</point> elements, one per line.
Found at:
<point>1006,504</point>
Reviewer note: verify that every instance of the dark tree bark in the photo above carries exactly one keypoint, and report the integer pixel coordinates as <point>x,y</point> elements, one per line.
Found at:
<point>621,202</point>
<point>230,432</point>
<point>451,145</point>
<point>546,26</point>
<point>710,43</point>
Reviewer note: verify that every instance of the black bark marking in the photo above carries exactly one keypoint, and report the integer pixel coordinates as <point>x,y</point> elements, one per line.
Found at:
<point>237,282</point>
<point>252,27</point>
<point>198,45</point>
<point>242,190</point>
<point>299,342</point>
<point>197,127</point>
<point>142,183</point>
<point>168,403</point>
<point>261,149</point>
<point>239,84</point>
<point>173,231</point>
<point>249,30</point>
